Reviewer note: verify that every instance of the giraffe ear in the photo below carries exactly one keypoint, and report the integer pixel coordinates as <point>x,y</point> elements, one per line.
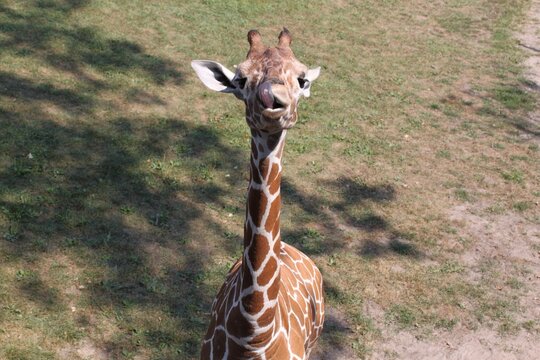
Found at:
<point>311,75</point>
<point>214,75</point>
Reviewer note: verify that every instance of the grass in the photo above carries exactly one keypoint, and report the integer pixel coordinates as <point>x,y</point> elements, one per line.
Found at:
<point>513,175</point>
<point>515,98</point>
<point>401,315</point>
<point>122,180</point>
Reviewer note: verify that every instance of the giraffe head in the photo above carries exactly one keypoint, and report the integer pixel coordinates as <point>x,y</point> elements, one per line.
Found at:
<point>270,81</point>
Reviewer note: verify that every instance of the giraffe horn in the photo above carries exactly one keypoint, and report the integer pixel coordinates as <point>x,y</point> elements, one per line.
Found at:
<point>285,38</point>
<point>255,43</point>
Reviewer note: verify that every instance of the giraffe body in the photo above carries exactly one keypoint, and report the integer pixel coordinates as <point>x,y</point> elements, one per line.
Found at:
<point>271,305</point>
<point>289,337</point>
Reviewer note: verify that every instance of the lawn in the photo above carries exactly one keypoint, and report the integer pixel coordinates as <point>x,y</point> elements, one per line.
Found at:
<point>412,178</point>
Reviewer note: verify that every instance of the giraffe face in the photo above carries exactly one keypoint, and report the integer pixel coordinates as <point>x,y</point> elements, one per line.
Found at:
<point>270,81</point>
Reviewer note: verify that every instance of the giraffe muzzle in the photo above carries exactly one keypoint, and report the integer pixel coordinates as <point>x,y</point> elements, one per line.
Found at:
<point>268,98</point>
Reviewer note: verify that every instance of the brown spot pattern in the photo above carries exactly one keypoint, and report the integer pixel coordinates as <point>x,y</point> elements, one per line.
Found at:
<point>281,310</point>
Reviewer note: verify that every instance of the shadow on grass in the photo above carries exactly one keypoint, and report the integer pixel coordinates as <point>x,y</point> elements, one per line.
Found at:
<point>519,101</point>
<point>41,32</point>
<point>144,229</point>
<point>350,213</point>
<point>141,228</point>
<point>86,191</point>
<point>90,191</point>
<point>73,195</point>
<point>342,219</point>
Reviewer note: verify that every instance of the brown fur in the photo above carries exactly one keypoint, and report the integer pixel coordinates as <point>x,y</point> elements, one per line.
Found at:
<point>271,305</point>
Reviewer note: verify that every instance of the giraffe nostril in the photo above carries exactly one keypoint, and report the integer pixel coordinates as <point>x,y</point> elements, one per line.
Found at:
<point>276,104</point>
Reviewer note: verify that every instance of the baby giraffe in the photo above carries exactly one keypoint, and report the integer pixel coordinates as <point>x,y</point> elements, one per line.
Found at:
<point>271,305</point>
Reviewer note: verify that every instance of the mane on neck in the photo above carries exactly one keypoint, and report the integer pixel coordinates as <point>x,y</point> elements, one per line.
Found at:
<point>262,239</point>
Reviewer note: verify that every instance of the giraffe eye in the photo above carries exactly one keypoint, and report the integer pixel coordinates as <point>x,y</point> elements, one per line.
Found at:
<point>302,82</point>
<point>241,82</point>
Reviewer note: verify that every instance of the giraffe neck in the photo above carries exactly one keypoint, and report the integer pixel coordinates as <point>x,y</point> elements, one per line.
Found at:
<point>262,242</point>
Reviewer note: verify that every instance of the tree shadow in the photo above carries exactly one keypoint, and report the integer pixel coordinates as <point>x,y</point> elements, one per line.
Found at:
<point>350,211</point>
<point>98,192</point>
<point>103,195</point>
<point>395,246</point>
<point>42,32</point>
<point>17,87</point>
<point>529,126</point>
<point>340,339</point>
<point>345,220</point>
<point>65,212</point>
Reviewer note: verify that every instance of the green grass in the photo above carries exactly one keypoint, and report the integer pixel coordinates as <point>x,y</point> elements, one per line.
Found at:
<point>122,179</point>
<point>462,195</point>
<point>513,175</point>
<point>28,353</point>
<point>515,98</point>
<point>401,315</point>
<point>522,206</point>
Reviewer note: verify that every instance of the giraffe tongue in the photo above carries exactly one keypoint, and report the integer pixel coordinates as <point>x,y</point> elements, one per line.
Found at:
<point>266,96</point>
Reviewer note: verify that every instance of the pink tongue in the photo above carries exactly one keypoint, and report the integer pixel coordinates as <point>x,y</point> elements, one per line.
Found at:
<point>265,94</point>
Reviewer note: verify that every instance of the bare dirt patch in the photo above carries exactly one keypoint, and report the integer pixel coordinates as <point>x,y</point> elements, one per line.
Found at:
<point>86,350</point>
<point>507,240</point>
<point>529,40</point>
<point>459,344</point>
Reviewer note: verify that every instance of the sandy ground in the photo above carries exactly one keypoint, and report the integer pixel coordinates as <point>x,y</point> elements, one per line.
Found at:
<point>529,39</point>
<point>508,240</point>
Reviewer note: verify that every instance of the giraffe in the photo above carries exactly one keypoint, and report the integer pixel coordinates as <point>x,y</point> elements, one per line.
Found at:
<point>271,305</point>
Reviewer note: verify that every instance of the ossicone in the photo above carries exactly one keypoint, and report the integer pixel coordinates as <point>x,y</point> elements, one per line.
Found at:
<point>255,42</point>
<point>284,38</point>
